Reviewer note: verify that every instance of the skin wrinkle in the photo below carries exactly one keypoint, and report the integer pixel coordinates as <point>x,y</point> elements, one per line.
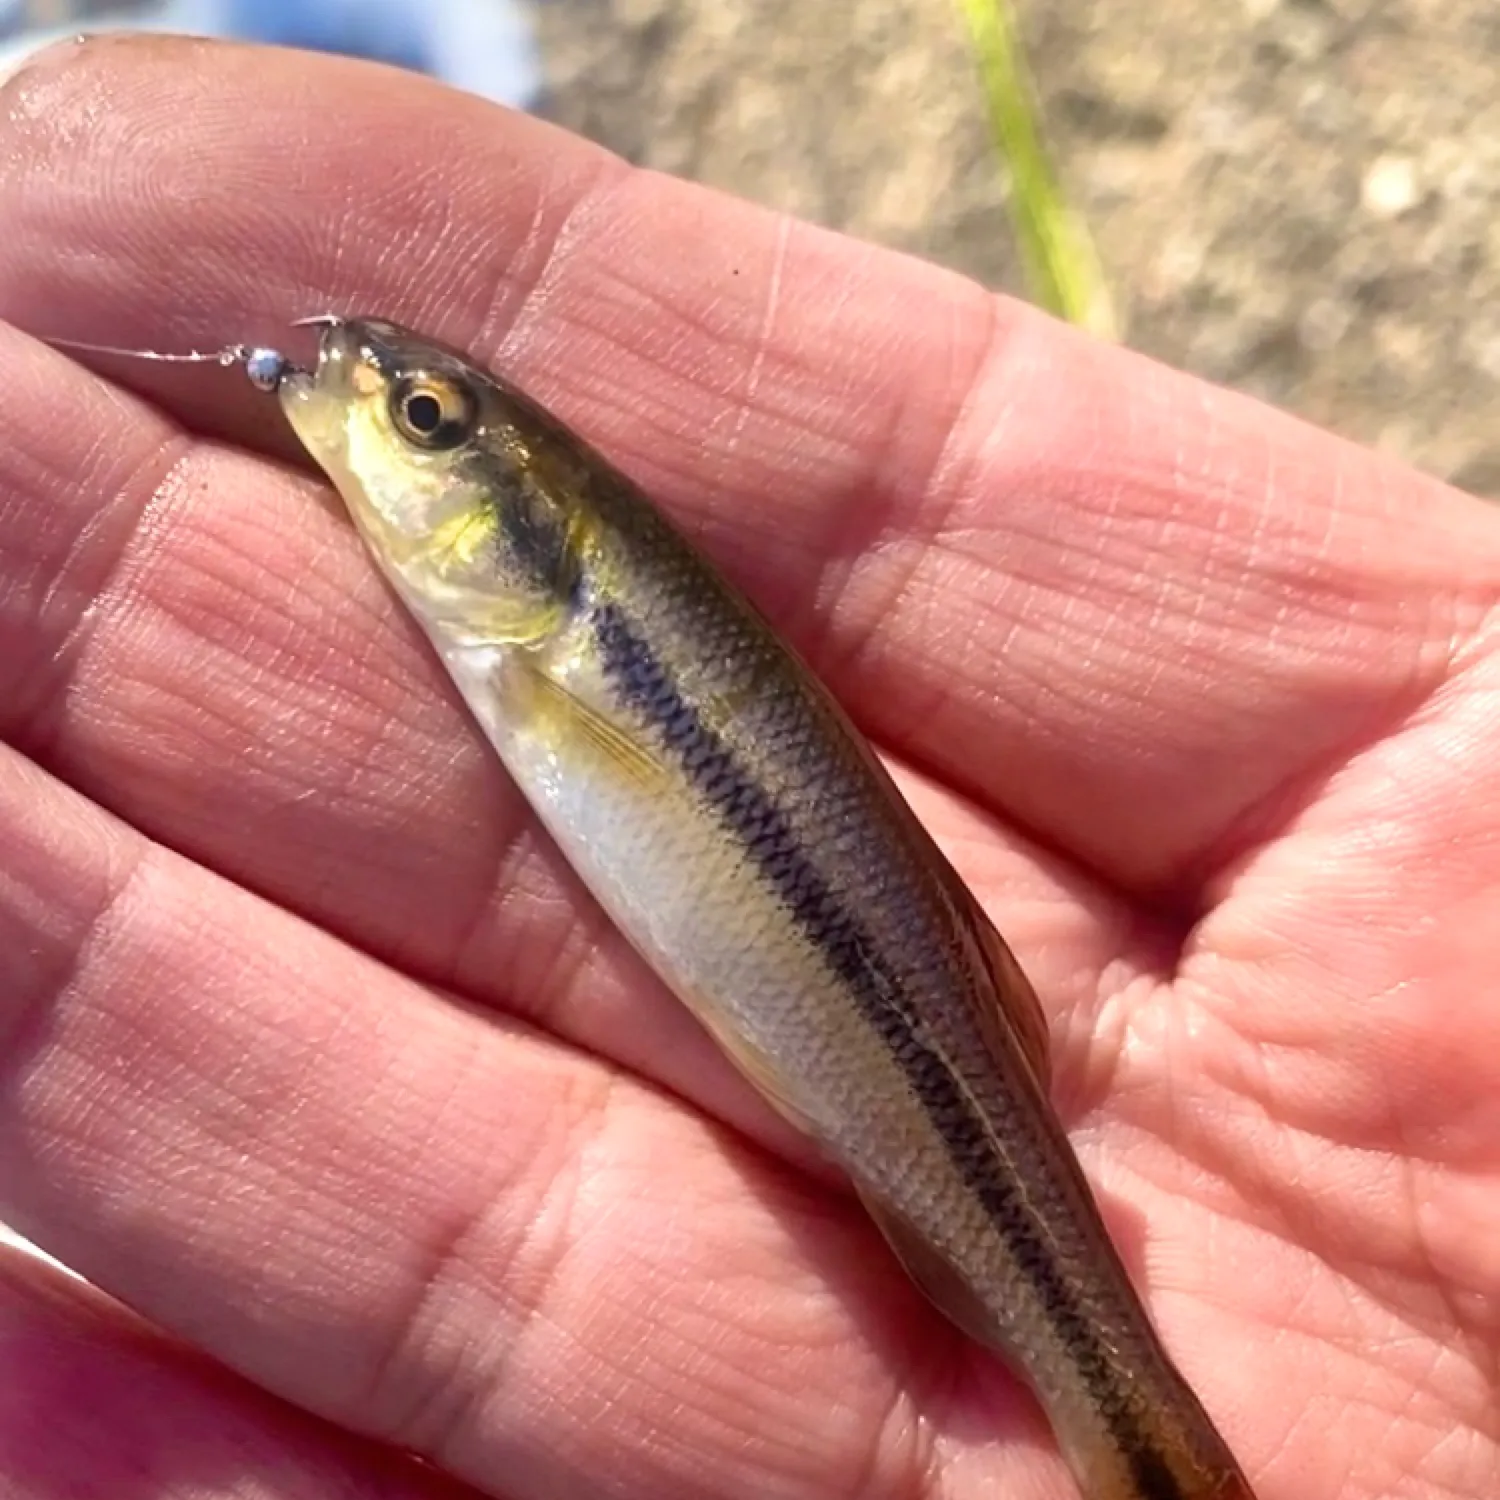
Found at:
<point>1263,1208</point>
<point>1405,1166</point>
<point>588,218</point>
<point>843,568</point>
<point>108,589</point>
<point>685,1359</point>
<point>514,295</point>
<point>446,1262</point>
<point>590,1133</point>
<point>84,537</point>
<point>429,223</point>
<point>360,754</point>
<point>1292,1229</point>
<point>371,650</point>
<point>27,1031</point>
<point>824,540</point>
<point>1481,1351</point>
<point>735,331</point>
<point>1262,823</point>
<point>1354,1349</point>
<point>229,573</point>
<point>431,1419</point>
<point>515,306</point>
<point>357,755</point>
<point>745,401</point>
<point>565,964</point>
<point>1238,609</point>
<point>562,1004</point>
<point>917,1471</point>
<point>102,1405</point>
<point>841,573</point>
<point>579,1232</point>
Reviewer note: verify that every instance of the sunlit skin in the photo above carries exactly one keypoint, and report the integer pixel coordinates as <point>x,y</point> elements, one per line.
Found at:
<point>314,1053</point>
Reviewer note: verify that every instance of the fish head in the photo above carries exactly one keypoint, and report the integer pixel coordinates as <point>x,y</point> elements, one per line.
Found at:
<point>465,510</point>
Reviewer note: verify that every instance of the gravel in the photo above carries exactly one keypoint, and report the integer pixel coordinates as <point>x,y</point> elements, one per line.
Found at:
<point>1299,198</point>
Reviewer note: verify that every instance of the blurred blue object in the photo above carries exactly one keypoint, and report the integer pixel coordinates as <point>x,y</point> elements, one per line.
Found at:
<point>482,46</point>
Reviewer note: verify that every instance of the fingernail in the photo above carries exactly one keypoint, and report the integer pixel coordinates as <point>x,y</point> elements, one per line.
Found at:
<point>22,57</point>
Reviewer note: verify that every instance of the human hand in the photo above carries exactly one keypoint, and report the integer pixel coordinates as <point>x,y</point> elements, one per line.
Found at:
<point>313,1052</point>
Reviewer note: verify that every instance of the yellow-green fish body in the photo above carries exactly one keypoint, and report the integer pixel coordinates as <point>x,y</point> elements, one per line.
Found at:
<point>727,816</point>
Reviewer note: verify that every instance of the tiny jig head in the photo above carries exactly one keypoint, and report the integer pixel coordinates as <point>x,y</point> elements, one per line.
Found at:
<point>264,368</point>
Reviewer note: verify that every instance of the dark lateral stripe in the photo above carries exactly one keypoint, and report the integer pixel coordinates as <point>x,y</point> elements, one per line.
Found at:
<point>1153,1479</point>
<point>532,537</point>
<point>758,824</point>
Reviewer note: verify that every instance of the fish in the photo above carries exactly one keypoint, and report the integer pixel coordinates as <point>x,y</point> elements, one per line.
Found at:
<point>728,816</point>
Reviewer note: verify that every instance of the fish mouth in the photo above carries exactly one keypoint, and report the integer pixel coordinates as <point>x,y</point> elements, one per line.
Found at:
<point>316,401</point>
<point>319,320</point>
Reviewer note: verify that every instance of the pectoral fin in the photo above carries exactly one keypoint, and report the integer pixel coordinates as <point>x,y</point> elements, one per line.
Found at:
<point>567,715</point>
<point>935,1276</point>
<point>759,1071</point>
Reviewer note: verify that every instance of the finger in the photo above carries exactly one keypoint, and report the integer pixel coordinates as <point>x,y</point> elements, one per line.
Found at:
<point>98,1404</point>
<point>1132,613</point>
<point>444,1234</point>
<point>195,643</point>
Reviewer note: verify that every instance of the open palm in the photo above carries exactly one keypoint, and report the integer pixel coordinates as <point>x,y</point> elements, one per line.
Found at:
<point>312,1051</point>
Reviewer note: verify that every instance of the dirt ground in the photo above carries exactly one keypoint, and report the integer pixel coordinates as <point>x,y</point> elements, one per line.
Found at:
<point>1300,198</point>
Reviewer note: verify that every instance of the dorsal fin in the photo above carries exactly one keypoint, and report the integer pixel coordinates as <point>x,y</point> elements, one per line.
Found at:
<point>1020,1011</point>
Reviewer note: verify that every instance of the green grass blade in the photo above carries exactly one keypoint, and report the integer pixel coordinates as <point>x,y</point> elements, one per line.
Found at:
<point>1057,252</point>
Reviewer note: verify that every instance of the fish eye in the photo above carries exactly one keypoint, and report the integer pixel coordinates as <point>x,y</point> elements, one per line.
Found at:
<point>432,411</point>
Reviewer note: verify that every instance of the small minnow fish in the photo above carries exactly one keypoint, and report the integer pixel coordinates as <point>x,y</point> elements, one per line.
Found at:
<point>732,822</point>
